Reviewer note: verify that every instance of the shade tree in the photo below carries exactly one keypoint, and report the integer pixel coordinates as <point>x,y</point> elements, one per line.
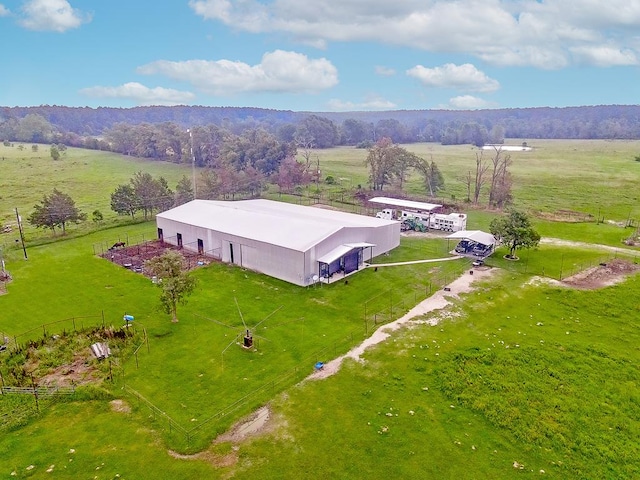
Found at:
<point>175,283</point>
<point>56,210</point>
<point>514,230</point>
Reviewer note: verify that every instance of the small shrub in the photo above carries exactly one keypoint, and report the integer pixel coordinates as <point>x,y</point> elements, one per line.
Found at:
<point>330,180</point>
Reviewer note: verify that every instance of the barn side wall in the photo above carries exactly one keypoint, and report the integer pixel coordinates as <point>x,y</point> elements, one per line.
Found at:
<point>272,260</point>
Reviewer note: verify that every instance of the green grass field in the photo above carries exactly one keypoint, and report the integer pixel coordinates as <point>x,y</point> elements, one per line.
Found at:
<point>562,398</point>
<point>89,176</point>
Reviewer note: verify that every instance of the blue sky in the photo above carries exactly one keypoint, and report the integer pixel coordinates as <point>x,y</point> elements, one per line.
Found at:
<point>321,55</point>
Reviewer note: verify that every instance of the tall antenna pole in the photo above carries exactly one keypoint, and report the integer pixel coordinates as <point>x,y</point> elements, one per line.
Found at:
<point>24,249</point>
<point>193,162</point>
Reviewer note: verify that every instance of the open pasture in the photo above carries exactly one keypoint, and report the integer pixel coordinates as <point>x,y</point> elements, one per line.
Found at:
<point>520,380</point>
<point>461,427</point>
<point>590,177</point>
<point>88,176</point>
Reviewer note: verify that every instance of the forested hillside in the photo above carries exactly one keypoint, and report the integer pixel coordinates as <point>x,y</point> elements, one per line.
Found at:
<point>86,126</point>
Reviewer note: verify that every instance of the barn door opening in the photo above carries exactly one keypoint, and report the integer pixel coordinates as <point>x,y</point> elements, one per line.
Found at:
<point>200,246</point>
<point>231,252</point>
<point>160,235</point>
<point>179,235</point>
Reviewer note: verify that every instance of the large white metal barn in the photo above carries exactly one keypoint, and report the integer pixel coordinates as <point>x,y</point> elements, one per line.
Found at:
<point>295,243</point>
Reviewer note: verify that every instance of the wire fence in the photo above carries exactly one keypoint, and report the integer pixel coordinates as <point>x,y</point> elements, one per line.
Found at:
<point>560,270</point>
<point>58,327</point>
<point>397,303</point>
<point>210,425</point>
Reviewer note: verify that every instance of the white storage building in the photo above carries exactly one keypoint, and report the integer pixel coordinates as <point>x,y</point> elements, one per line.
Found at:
<point>295,243</point>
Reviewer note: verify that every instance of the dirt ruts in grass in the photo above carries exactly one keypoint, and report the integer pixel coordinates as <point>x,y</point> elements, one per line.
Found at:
<point>439,300</point>
<point>259,422</point>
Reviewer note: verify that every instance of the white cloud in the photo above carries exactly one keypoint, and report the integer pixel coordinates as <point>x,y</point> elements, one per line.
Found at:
<point>4,11</point>
<point>462,77</point>
<point>51,15</point>
<point>385,71</point>
<point>141,94</point>
<point>336,105</point>
<point>279,71</point>
<point>469,102</point>
<point>604,56</point>
<point>540,33</point>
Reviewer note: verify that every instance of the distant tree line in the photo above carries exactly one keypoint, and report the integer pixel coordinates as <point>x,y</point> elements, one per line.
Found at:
<point>161,132</point>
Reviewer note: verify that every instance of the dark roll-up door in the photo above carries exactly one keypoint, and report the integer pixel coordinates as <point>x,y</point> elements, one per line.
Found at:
<point>351,261</point>
<point>334,266</point>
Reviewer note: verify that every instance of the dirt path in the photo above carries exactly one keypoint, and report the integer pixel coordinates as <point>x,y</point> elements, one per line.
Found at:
<point>437,301</point>
<point>590,246</point>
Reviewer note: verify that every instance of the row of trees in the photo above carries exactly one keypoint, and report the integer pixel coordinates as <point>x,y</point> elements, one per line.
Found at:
<point>389,162</point>
<point>147,194</point>
<point>493,172</point>
<point>86,127</point>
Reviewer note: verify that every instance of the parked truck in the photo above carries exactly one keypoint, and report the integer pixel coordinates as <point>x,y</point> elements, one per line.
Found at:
<point>386,214</point>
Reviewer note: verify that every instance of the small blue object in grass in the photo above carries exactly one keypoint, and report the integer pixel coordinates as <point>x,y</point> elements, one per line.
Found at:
<point>128,318</point>
<point>319,365</point>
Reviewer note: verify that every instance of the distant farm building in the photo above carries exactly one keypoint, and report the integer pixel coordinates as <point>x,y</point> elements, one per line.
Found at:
<point>295,243</point>
<point>419,216</point>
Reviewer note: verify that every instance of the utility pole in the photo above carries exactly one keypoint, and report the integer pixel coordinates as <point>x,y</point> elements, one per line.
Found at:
<point>193,162</point>
<point>24,249</point>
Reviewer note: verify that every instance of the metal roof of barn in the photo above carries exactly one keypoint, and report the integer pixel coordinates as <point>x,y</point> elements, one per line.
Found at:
<point>398,202</point>
<point>297,227</point>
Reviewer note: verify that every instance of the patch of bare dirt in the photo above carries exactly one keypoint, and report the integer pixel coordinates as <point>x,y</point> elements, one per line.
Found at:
<point>603,275</point>
<point>217,460</point>
<point>133,257</point>
<point>570,216</point>
<point>79,372</point>
<point>120,406</point>
<point>258,423</point>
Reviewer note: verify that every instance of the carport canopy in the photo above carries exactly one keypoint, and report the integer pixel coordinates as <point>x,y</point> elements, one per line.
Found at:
<point>335,254</point>
<point>478,236</point>
<point>342,250</point>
